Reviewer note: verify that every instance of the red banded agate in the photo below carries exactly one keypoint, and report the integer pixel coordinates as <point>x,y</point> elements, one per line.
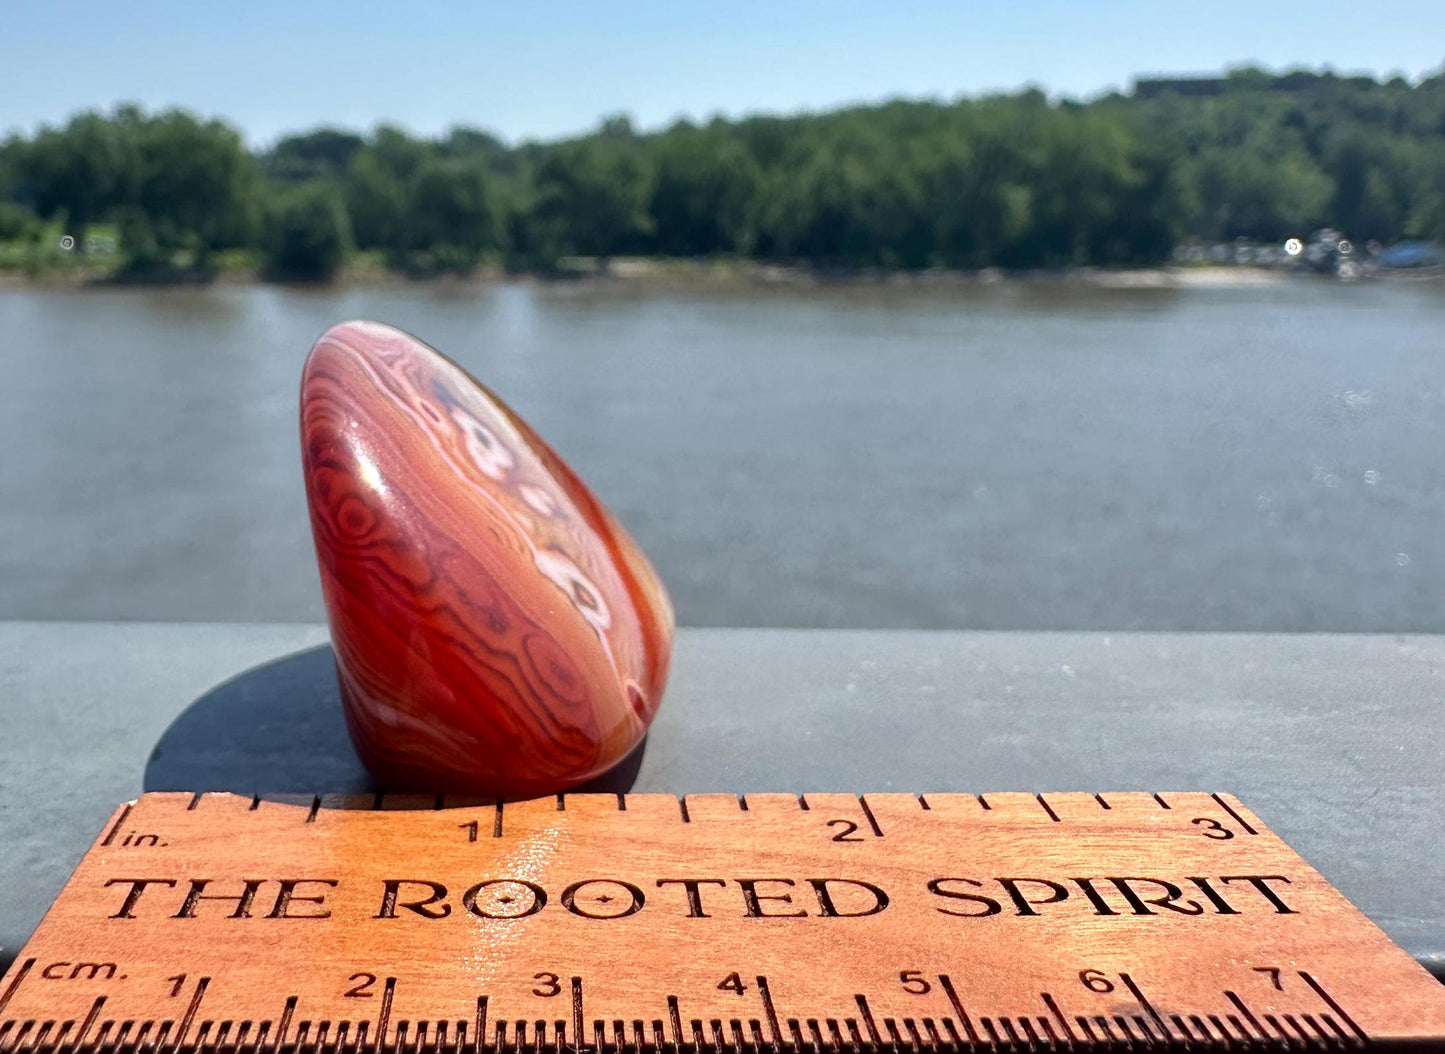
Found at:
<point>496,630</point>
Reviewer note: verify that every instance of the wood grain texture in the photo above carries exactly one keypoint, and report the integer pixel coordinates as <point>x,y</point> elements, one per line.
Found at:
<point>715,923</point>
<point>496,629</point>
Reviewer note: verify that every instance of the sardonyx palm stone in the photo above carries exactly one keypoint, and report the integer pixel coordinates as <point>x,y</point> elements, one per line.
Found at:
<point>496,630</point>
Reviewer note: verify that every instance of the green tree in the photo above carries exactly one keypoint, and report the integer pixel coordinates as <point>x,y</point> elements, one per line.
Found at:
<point>378,186</point>
<point>597,189</point>
<point>81,172</point>
<point>376,201</point>
<point>307,234</point>
<point>1244,194</point>
<point>451,217</point>
<point>325,153</point>
<point>1372,184</point>
<point>399,153</point>
<point>1427,212</point>
<point>199,189</point>
<point>476,144</point>
<point>975,210</point>
<point>705,198</point>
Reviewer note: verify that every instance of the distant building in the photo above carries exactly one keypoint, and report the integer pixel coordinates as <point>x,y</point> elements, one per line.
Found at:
<point>1153,87</point>
<point>1202,85</point>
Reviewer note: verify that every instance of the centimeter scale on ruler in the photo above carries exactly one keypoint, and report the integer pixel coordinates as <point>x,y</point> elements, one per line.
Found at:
<point>717,923</point>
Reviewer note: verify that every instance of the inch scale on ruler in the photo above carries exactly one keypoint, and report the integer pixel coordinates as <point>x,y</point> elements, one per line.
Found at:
<point>712,923</point>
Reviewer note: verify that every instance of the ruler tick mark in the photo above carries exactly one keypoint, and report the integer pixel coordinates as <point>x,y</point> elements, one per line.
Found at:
<point>872,820</point>
<point>931,1028</point>
<point>770,1011</point>
<point>383,1019</point>
<point>674,1017</point>
<point>1059,1014</point>
<point>1162,803</point>
<point>1139,997</point>
<point>315,808</point>
<point>1289,1019</point>
<point>1238,1026</point>
<point>948,990</point>
<point>89,1021</point>
<point>190,1014</point>
<point>983,802</point>
<point>1047,1026</point>
<point>286,1015</point>
<point>497,821</point>
<point>14,985</point>
<point>115,827</point>
<point>1248,1016</point>
<point>577,1009</point>
<point>1329,1001</point>
<point>1237,818</point>
<point>867,1014</point>
<point>1048,808</point>
<point>682,808</point>
<point>1310,1019</point>
<point>1102,803</point>
<point>1220,1028</point>
<point>993,1036</point>
<point>803,802</point>
<point>923,803</point>
<point>1182,1028</point>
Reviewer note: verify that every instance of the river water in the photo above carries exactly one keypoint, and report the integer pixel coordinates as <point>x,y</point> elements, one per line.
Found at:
<point>1008,456</point>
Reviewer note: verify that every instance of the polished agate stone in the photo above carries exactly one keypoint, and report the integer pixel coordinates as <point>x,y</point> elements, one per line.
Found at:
<point>496,630</point>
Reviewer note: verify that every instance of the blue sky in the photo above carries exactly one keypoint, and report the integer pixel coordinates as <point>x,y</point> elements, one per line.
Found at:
<point>542,69</point>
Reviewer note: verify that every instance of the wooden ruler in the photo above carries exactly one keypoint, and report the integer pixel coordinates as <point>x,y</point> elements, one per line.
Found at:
<point>714,923</point>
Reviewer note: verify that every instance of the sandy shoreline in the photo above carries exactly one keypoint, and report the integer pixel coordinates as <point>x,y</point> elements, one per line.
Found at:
<point>740,274</point>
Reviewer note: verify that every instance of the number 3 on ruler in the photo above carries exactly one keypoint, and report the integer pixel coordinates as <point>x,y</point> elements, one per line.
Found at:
<point>1213,828</point>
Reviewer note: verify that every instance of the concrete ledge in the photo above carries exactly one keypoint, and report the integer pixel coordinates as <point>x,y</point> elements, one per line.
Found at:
<point>1338,742</point>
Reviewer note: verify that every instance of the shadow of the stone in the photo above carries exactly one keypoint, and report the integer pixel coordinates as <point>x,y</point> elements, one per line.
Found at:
<point>278,729</point>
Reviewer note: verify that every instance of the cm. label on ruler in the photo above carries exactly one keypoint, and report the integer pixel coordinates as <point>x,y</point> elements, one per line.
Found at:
<point>714,922</point>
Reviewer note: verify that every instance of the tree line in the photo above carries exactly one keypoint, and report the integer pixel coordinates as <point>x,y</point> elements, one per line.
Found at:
<point>1013,181</point>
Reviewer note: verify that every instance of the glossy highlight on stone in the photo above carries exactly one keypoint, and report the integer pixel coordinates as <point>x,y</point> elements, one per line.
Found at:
<point>496,630</point>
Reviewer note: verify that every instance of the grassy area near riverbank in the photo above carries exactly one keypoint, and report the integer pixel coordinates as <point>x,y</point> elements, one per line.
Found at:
<point>41,260</point>
<point>55,268</point>
<point>44,260</point>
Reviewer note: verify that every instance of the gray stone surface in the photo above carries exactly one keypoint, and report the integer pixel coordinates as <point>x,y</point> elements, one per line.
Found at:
<point>1338,742</point>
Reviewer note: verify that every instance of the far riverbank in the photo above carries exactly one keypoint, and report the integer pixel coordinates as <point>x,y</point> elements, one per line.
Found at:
<point>708,273</point>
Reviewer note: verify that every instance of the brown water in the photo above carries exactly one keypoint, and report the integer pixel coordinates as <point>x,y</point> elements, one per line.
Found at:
<point>994,457</point>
